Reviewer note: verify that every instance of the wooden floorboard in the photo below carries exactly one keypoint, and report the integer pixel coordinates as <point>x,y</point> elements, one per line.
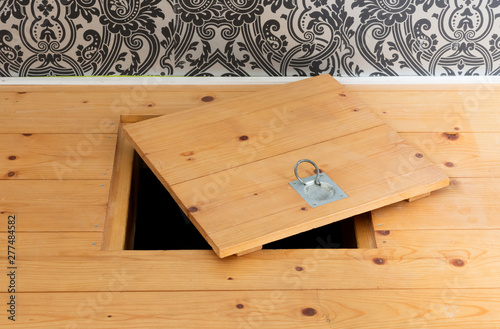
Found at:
<point>424,243</point>
<point>56,156</point>
<point>30,109</point>
<point>307,309</point>
<point>53,244</point>
<point>428,108</point>
<point>438,266</point>
<point>460,154</point>
<point>87,110</point>
<point>437,117</point>
<point>261,270</point>
<point>55,205</point>
<point>468,203</point>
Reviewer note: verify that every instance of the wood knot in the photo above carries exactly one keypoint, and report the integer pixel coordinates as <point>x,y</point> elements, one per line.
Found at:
<point>230,278</point>
<point>449,164</point>
<point>207,99</point>
<point>21,92</point>
<point>356,110</point>
<point>309,311</point>
<point>457,262</point>
<point>379,261</point>
<point>151,105</point>
<point>27,135</point>
<point>451,137</point>
<point>239,306</point>
<point>303,208</point>
<point>456,128</point>
<point>193,209</point>
<point>11,173</point>
<point>188,153</point>
<point>299,268</point>
<point>383,232</point>
<point>419,155</point>
<point>342,95</point>
<point>316,172</point>
<point>12,157</point>
<point>243,138</point>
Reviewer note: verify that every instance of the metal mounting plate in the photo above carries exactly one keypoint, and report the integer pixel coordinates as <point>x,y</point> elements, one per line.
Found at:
<point>316,195</point>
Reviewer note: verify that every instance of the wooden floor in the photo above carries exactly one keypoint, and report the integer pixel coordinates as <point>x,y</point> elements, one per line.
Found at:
<point>436,265</point>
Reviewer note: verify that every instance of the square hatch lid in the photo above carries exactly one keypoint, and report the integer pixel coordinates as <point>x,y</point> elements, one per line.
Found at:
<point>229,164</point>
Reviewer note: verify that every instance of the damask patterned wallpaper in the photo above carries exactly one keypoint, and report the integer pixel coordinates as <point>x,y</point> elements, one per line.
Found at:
<point>249,37</point>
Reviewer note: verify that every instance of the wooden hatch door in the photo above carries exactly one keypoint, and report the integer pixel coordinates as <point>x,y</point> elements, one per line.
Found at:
<point>229,164</point>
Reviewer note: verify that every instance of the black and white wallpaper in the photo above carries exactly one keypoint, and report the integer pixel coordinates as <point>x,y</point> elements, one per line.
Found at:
<point>249,37</point>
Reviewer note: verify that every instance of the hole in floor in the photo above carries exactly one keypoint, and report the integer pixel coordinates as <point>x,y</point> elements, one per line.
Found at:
<point>161,225</point>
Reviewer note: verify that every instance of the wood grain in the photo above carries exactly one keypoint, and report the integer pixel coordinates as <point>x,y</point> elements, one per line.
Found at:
<point>467,242</point>
<point>364,164</point>
<point>468,203</point>
<point>244,252</point>
<point>260,129</point>
<point>432,117</point>
<point>363,230</point>
<point>418,197</point>
<point>91,109</point>
<point>412,94</point>
<point>447,242</point>
<point>460,154</point>
<point>54,244</point>
<point>56,156</point>
<point>408,108</point>
<point>229,168</point>
<point>434,108</point>
<point>263,270</point>
<point>53,205</point>
<point>445,307</point>
<point>118,210</point>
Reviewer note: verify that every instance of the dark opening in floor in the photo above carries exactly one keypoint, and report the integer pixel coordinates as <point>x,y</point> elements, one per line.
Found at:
<point>161,224</point>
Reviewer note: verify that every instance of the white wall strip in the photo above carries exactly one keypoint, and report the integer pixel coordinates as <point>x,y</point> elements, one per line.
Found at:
<point>157,80</point>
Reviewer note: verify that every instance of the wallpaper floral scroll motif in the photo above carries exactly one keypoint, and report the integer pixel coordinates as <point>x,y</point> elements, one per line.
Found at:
<point>263,38</point>
<point>81,37</point>
<point>249,37</point>
<point>428,37</point>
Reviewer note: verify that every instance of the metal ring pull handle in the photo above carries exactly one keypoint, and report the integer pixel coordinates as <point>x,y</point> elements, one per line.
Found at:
<point>316,180</point>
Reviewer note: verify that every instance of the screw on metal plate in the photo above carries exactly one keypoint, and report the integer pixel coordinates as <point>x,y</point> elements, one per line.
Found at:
<point>317,190</point>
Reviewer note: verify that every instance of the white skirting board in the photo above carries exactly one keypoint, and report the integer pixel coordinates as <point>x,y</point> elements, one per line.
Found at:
<point>157,80</point>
